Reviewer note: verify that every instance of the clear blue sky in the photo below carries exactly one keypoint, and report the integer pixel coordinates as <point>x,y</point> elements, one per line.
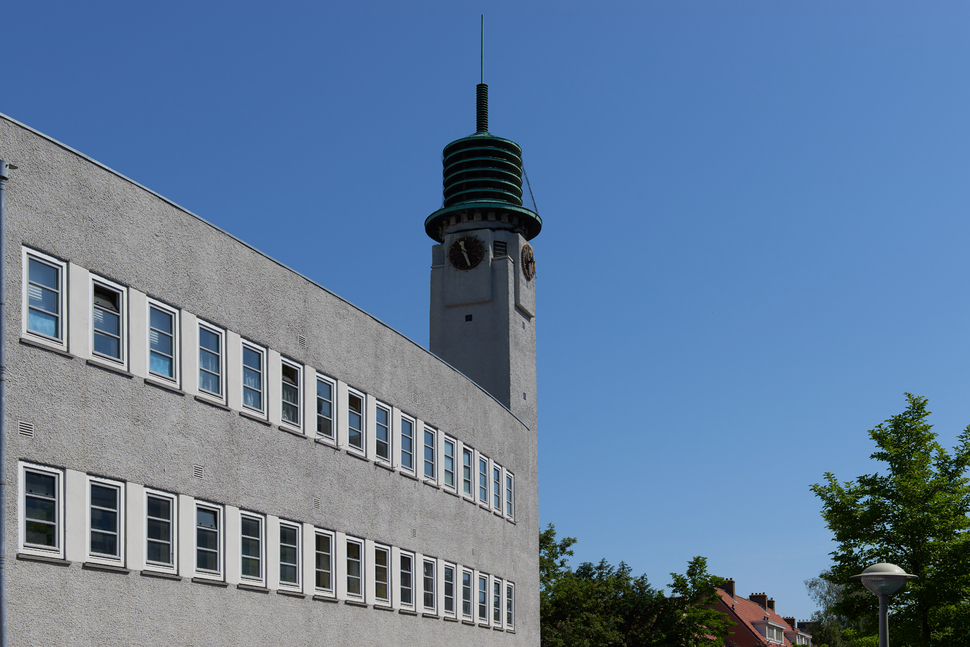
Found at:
<point>756,218</point>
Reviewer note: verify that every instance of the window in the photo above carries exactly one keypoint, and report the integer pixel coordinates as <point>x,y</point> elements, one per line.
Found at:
<point>251,548</point>
<point>509,489</point>
<point>449,589</point>
<point>407,581</point>
<point>449,466</point>
<point>162,341</point>
<point>208,540</point>
<point>355,420</point>
<point>382,574</point>
<point>483,598</point>
<point>290,406</point>
<point>509,605</point>
<point>108,324</point>
<point>429,442</point>
<point>483,480</point>
<point>407,444</point>
<point>212,362</point>
<point>467,459</point>
<point>289,555</point>
<point>497,601</point>
<point>42,510</point>
<point>160,533</point>
<point>355,568</point>
<point>429,576</point>
<point>383,445</point>
<point>497,487</point>
<point>325,389</point>
<point>106,521</point>
<point>466,593</point>
<point>253,384</point>
<point>775,634</point>
<point>323,566</point>
<point>45,301</point>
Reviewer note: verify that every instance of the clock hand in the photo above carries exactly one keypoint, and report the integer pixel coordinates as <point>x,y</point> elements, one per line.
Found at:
<point>461,244</point>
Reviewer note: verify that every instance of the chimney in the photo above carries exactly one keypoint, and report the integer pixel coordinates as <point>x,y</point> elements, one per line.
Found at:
<point>728,587</point>
<point>790,621</point>
<point>760,598</point>
<point>771,604</point>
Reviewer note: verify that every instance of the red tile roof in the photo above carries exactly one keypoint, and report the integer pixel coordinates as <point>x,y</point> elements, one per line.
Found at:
<point>744,612</point>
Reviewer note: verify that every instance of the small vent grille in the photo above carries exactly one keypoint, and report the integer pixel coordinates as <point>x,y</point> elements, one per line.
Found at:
<point>316,503</point>
<point>414,533</point>
<point>501,248</point>
<point>25,429</point>
<point>302,340</point>
<point>198,471</point>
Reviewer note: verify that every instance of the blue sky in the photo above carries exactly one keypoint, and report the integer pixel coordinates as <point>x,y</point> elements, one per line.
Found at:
<point>755,218</point>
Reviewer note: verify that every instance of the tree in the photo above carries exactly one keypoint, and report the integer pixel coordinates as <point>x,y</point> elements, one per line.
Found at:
<point>914,515</point>
<point>602,605</point>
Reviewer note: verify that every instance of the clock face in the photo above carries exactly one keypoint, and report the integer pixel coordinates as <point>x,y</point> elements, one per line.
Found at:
<point>528,262</point>
<point>466,252</point>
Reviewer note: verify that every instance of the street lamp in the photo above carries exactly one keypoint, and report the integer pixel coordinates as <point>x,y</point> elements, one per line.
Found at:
<point>883,579</point>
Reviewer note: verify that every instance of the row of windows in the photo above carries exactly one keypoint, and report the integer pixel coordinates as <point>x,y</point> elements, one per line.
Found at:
<point>270,552</point>
<point>303,401</point>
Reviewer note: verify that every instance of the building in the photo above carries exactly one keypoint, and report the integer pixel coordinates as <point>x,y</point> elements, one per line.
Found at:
<point>204,447</point>
<point>756,623</point>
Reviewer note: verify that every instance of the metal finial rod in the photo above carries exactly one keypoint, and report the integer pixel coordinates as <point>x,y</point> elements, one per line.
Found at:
<point>483,49</point>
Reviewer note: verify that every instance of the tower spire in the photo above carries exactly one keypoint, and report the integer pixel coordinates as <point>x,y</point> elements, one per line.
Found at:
<point>481,93</point>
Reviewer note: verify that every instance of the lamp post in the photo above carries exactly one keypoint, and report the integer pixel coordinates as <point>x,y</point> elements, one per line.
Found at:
<point>883,579</point>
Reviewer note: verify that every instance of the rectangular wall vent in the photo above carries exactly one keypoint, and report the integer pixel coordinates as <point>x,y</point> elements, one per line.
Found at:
<point>302,340</point>
<point>501,248</point>
<point>25,429</point>
<point>198,471</point>
<point>316,503</point>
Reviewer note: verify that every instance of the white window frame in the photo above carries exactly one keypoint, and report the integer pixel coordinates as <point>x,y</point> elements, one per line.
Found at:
<point>284,365</point>
<point>176,346</point>
<point>445,443</point>
<point>429,584</point>
<point>433,453</point>
<point>60,340</point>
<point>378,425</point>
<point>482,497</point>
<point>297,555</point>
<point>221,335</point>
<point>331,591</point>
<point>509,494</point>
<point>470,589</point>
<point>361,573</point>
<point>453,612</point>
<point>498,500</point>
<point>172,566</point>
<point>263,374</point>
<point>260,579</point>
<point>57,550</point>
<point>468,452</point>
<point>362,449</point>
<point>122,292</point>
<point>388,580</point>
<point>402,555</point>
<point>407,422</point>
<point>509,605</point>
<point>220,542</point>
<point>332,436</point>
<point>118,559</point>
<point>482,615</point>
<point>498,595</point>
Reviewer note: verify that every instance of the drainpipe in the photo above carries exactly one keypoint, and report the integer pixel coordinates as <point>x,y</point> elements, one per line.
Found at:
<point>4,175</point>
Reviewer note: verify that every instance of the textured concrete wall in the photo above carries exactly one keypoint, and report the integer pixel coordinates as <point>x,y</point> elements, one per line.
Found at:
<point>101,422</point>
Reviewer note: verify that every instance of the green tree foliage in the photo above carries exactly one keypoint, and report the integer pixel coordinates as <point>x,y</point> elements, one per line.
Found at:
<point>912,514</point>
<point>605,606</point>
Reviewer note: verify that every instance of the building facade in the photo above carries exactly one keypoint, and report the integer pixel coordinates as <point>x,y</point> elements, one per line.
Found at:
<point>204,447</point>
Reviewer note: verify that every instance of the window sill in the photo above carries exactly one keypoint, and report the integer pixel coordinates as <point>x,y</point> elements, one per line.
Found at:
<point>205,580</point>
<point>409,475</point>
<point>510,631</point>
<point>433,616</point>
<point>356,603</point>
<point>160,575</point>
<point>453,493</point>
<point>497,513</point>
<point>107,365</point>
<point>357,454</point>
<point>252,587</point>
<point>212,403</point>
<point>290,594</point>
<point>385,465</point>
<point>292,430</point>
<point>159,383</point>
<point>450,619</point>
<point>384,607</point>
<point>107,568</point>
<point>431,484</point>
<point>498,628</point>
<point>407,612</point>
<point>59,350</point>
<point>325,598</point>
<point>484,625</point>
<point>44,559</point>
<point>470,623</point>
<point>255,418</point>
<point>327,442</point>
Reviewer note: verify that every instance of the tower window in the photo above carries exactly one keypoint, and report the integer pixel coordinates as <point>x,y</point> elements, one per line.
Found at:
<point>468,317</point>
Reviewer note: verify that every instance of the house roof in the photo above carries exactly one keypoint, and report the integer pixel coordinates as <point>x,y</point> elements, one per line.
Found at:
<point>746,612</point>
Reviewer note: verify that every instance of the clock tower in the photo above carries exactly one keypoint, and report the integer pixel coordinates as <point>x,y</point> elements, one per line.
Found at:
<point>483,268</point>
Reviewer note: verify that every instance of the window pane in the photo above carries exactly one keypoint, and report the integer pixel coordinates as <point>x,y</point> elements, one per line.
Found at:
<point>105,497</point>
<point>161,365</point>
<point>39,534</point>
<point>40,484</point>
<point>42,274</point>
<point>207,539</point>
<point>159,530</point>
<point>160,320</point>
<point>39,509</point>
<point>43,323</point>
<point>104,544</point>
<point>252,359</point>
<point>209,340</point>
